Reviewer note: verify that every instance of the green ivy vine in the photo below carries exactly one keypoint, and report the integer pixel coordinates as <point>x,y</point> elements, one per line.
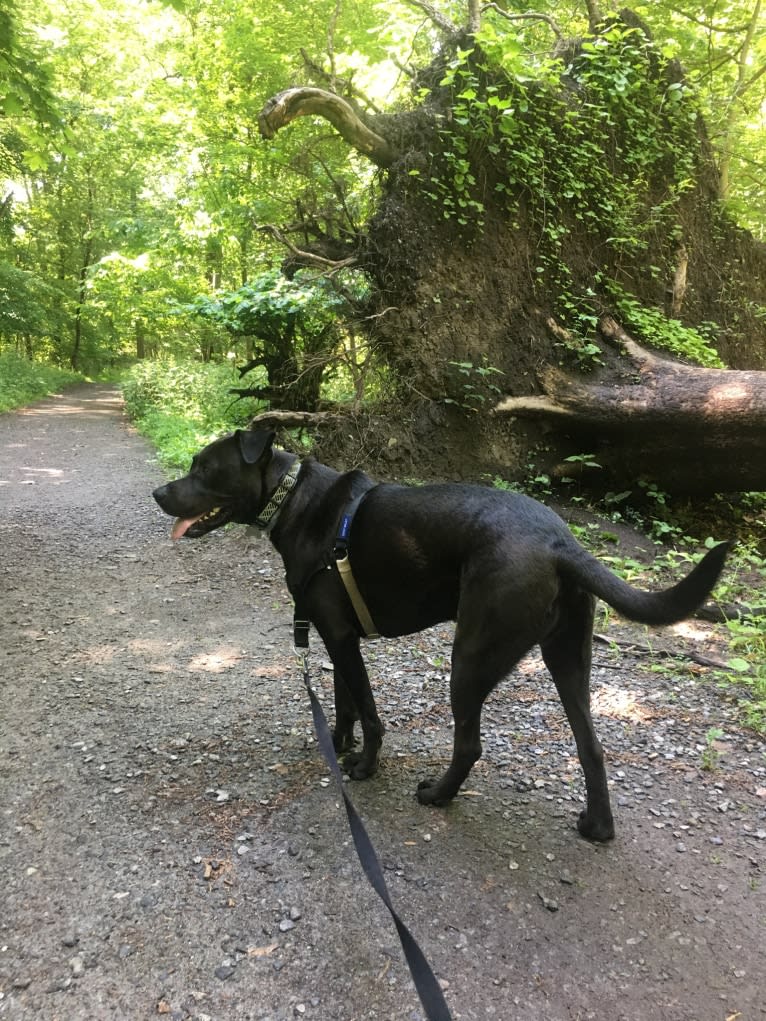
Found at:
<point>577,147</point>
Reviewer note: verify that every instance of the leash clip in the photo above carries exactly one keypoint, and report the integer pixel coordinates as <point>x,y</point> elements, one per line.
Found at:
<point>301,649</point>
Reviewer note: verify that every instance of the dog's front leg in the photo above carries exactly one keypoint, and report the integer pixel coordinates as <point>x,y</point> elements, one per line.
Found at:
<point>356,703</point>
<point>346,716</point>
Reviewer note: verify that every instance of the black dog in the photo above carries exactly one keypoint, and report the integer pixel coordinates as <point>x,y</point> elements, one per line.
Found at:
<point>502,565</point>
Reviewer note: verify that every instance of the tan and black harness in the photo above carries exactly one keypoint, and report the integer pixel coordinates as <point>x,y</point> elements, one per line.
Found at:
<point>342,562</point>
<point>266,521</point>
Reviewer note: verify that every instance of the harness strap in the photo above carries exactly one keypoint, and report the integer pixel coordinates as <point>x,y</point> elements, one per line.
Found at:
<point>360,607</point>
<point>343,564</point>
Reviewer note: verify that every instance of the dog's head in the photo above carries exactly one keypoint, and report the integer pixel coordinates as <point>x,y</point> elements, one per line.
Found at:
<point>225,483</point>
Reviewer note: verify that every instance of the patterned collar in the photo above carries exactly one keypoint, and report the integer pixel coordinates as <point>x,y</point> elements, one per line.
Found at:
<point>268,516</point>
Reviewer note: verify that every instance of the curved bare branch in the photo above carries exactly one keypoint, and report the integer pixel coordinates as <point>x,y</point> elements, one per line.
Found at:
<point>309,258</point>
<point>302,101</point>
<point>291,419</point>
<point>530,16</point>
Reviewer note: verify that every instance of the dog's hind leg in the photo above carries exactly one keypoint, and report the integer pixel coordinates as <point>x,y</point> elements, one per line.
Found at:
<point>567,654</point>
<point>479,663</point>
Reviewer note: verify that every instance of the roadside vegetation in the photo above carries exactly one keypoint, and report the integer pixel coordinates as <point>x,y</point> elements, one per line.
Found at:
<point>22,381</point>
<point>182,406</point>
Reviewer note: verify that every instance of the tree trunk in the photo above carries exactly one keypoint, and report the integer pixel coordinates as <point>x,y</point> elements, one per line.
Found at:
<point>82,293</point>
<point>140,334</point>
<point>82,281</point>
<point>696,430</point>
<point>745,78</point>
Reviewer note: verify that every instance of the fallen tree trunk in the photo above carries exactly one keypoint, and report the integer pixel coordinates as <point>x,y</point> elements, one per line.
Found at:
<point>691,429</point>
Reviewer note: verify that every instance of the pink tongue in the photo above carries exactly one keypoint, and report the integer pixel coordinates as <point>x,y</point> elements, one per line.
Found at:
<point>182,525</point>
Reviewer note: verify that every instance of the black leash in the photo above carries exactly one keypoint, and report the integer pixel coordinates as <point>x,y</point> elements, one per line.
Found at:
<point>428,988</point>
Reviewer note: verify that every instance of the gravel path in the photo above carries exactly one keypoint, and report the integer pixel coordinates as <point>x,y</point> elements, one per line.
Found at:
<point>170,845</point>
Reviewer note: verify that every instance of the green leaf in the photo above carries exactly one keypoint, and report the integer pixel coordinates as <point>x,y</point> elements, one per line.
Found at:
<point>35,160</point>
<point>13,106</point>
<point>738,665</point>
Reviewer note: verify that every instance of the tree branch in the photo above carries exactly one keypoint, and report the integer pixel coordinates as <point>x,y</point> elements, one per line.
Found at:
<point>749,82</point>
<point>332,81</point>
<point>545,407</point>
<point>291,419</point>
<point>530,16</point>
<point>331,43</point>
<point>308,258</point>
<point>302,101</point>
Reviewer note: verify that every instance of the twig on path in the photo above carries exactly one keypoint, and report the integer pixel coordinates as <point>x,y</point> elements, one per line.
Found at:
<point>647,650</point>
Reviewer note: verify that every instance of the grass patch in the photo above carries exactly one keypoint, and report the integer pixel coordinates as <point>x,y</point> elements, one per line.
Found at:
<point>742,583</point>
<point>22,381</point>
<point>746,674</point>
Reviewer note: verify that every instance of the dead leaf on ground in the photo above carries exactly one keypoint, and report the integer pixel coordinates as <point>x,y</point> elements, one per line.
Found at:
<point>262,951</point>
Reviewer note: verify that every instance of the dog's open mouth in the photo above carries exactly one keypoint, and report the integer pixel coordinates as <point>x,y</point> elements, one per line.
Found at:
<point>201,524</point>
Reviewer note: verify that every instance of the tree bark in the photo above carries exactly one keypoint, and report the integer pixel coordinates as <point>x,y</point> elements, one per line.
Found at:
<point>692,429</point>
<point>283,108</point>
<point>291,419</point>
<point>594,15</point>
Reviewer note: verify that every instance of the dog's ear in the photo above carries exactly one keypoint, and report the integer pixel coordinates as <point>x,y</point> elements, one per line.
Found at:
<point>254,443</point>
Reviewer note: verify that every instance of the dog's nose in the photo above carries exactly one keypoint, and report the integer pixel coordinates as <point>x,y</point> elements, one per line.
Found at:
<point>160,493</point>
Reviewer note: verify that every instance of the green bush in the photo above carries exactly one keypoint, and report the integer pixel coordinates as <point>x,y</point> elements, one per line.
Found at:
<point>181,406</point>
<point>22,381</point>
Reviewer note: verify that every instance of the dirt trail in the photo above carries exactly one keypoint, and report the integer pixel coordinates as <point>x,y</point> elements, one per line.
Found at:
<point>169,844</point>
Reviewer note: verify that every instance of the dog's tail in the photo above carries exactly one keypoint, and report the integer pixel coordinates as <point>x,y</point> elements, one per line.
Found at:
<point>654,608</point>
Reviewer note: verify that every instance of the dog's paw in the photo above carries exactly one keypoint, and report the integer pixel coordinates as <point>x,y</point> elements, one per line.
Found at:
<point>430,793</point>
<point>358,766</point>
<point>599,830</point>
<point>342,741</point>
